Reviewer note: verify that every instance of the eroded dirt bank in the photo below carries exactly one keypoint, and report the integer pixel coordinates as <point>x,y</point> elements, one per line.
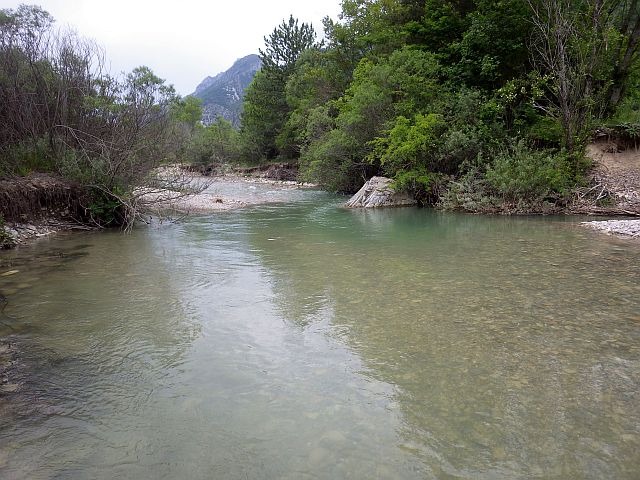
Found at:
<point>38,205</point>
<point>616,186</point>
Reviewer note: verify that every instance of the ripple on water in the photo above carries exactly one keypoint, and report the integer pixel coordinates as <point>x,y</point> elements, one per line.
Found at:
<point>304,340</point>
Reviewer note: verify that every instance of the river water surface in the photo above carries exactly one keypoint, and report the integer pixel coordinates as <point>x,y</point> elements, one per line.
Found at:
<point>302,340</point>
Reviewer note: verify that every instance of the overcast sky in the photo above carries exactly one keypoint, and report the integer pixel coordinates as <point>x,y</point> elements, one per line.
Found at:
<point>181,41</point>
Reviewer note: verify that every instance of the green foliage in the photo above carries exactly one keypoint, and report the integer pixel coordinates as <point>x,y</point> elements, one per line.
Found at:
<point>215,144</point>
<point>546,131</point>
<point>372,27</point>
<point>630,131</point>
<point>264,114</point>
<point>409,144</point>
<point>266,110</point>
<point>422,184</point>
<point>422,89</point>
<point>520,172</point>
<point>59,113</point>
<point>473,126</point>
<point>379,92</point>
<point>284,46</point>
<point>6,240</point>
<point>188,110</point>
<point>493,47</point>
<point>470,192</point>
<point>106,207</point>
<point>330,162</point>
<point>628,109</point>
<point>320,77</point>
<point>33,155</point>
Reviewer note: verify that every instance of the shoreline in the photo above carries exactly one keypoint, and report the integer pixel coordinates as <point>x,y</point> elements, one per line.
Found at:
<point>210,202</point>
<point>160,202</point>
<point>620,228</point>
<point>155,203</point>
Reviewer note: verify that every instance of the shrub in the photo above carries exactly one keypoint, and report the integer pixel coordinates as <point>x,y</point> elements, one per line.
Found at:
<point>409,145</point>
<point>31,155</point>
<point>471,193</point>
<point>519,172</point>
<point>422,184</point>
<point>546,132</point>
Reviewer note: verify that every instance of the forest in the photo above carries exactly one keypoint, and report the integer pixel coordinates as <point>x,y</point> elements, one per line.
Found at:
<point>481,105</point>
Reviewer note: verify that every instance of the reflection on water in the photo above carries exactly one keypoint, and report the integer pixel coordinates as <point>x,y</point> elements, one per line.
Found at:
<point>308,341</point>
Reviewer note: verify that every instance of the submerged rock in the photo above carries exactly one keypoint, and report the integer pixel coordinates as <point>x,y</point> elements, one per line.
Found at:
<point>377,192</point>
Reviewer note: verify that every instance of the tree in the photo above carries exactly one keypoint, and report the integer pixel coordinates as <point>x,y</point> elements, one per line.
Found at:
<point>569,48</point>
<point>188,111</point>
<point>60,112</point>
<point>265,106</point>
<point>284,46</point>
<point>402,84</point>
<point>626,16</point>
<point>217,143</point>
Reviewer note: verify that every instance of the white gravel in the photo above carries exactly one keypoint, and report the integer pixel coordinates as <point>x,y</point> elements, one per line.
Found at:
<point>628,228</point>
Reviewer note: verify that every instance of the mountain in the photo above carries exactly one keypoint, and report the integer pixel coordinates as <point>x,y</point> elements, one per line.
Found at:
<point>222,95</point>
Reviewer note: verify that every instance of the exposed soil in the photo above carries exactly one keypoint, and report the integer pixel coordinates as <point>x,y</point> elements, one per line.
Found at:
<point>40,196</point>
<point>275,171</point>
<point>616,186</point>
<point>615,178</point>
<point>38,205</point>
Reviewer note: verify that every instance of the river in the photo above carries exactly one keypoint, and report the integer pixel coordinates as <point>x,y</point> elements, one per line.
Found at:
<point>302,340</point>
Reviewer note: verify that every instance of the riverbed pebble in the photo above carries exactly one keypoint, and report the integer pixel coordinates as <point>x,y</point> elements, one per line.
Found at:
<point>9,388</point>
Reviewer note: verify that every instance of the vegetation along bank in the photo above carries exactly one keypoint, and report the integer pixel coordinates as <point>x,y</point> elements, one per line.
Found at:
<point>511,106</point>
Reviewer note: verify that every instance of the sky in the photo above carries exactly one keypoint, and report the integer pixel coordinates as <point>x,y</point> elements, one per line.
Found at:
<point>181,41</point>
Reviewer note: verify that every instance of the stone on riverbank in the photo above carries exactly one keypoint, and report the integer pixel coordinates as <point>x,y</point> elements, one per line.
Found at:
<point>377,193</point>
<point>629,228</point>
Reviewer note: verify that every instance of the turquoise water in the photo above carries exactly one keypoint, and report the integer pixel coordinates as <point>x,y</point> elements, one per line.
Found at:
<point>302,340</point>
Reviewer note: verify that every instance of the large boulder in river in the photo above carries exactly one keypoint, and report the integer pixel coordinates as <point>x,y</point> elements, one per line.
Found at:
<point>377,192</point>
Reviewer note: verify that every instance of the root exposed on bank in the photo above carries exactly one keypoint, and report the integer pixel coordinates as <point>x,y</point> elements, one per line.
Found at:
<point>41,196</point>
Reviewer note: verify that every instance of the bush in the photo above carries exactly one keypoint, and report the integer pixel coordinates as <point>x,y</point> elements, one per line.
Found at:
<point>520,172</point>
<point>459,146</point>
<point>328,162</point>
<point>408,145</point>
<point>471,193</point>
<point>423,185</point>
<point>217,143</point>
<point>546,132</point>
<point>32,155</point>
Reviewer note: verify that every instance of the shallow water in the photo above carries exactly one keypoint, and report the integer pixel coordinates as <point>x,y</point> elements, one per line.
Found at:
<point>302,340</point>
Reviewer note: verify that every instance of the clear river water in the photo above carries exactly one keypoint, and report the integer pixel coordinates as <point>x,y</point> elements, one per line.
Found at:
<point>301,340</point>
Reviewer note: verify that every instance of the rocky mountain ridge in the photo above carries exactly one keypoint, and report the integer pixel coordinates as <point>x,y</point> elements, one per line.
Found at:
<point>222,94</point>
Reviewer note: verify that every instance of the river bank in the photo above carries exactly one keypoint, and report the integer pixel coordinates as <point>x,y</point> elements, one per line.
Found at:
<point>216,193</point>
<point>41,205</point>
<point>622,228</point>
